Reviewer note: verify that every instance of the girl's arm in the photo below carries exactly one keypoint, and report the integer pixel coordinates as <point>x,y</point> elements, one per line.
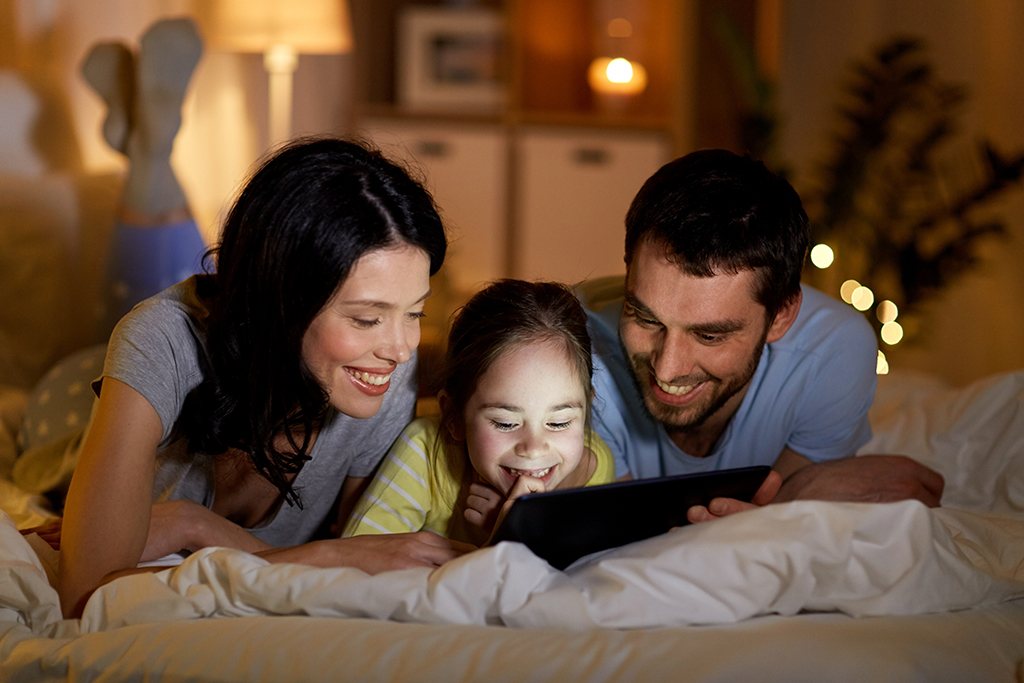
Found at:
<point>400,495</point>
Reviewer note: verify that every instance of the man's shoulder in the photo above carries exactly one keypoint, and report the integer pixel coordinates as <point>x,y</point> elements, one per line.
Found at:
<point>826,322</point>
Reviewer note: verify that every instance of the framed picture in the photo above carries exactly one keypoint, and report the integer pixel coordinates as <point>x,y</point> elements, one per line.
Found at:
<point>450,59</point>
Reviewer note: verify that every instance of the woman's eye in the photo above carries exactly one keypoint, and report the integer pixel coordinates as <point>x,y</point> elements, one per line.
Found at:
<point>419,315</point>
<point>364,323</point>
<point>503,426</point>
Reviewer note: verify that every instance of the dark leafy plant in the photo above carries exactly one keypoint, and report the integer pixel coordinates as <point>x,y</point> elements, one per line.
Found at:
<point>899,202</point>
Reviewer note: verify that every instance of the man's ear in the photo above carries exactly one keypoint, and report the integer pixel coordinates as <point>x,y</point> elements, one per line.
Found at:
<point>455,425</point>
<point>784,318</point>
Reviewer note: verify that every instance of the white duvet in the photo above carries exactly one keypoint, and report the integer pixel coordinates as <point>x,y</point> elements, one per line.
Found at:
<point>859,559</point>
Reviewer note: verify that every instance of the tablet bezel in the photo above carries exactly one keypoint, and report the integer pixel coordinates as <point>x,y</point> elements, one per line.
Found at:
<point>562,526</point>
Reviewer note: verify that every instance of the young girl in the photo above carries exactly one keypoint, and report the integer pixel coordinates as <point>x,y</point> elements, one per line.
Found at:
<point>515,409</point>
<point>237,407</point>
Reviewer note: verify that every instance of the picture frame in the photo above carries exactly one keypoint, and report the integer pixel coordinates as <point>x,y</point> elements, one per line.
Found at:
<point>450,59</point>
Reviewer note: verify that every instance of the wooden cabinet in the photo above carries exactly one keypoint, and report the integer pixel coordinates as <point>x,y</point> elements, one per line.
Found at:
<point>573,187</point>
<point>465,167</point>
<point>538,187</point>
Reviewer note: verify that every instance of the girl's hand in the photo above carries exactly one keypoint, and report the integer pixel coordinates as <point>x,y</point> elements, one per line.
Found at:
<point>483,506</point>
<point>522,486</point>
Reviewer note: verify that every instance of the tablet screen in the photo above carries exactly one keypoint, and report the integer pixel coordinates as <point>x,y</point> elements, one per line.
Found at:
<point>562,526</point>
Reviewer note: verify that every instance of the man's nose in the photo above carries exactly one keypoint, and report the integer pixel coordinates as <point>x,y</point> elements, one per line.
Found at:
<point>674,357</point>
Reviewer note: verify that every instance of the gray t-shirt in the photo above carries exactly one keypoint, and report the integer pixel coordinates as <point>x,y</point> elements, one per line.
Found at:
<point>155,350</point>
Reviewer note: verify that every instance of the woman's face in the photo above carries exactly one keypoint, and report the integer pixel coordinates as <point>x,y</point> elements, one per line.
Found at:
<point>370,325</point>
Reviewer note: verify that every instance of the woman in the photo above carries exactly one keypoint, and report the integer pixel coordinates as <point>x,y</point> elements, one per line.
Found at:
<point>242,401</point>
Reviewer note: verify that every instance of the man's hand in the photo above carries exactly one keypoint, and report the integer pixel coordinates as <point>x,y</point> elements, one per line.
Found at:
<point>861,479</point>
<point>723,507</point>
<point>865,479</point>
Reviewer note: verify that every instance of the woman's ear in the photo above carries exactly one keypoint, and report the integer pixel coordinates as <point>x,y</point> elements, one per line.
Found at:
<point>454,422</point>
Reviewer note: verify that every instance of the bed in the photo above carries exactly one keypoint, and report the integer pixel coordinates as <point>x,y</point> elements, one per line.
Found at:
<point>806,591</point>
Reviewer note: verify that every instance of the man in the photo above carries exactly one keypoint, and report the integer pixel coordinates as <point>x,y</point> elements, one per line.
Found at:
<point>715,356</point>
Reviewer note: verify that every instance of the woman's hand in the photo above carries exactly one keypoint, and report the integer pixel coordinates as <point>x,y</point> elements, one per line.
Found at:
<point>186,525</point>
<point>49,532</point>
<point>373,553</point>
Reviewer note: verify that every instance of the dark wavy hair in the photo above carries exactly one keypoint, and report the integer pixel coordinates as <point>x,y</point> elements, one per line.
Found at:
<point>716,211</point>
<point>300,224</point>
<point>505,316</point>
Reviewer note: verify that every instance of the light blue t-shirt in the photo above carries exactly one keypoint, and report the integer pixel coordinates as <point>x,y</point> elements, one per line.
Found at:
<point>811,392</point>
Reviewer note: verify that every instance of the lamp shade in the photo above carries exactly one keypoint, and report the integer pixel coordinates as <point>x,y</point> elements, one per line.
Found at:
<point>306,26</point>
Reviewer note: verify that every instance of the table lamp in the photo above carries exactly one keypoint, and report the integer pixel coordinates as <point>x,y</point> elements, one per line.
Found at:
<point>280,30</point>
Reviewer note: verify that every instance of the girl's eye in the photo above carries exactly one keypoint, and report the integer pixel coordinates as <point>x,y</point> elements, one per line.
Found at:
<point>559,426</point>
<point>503,426</point>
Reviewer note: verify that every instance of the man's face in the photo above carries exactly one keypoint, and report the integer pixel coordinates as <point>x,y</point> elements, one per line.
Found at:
<point>694,342</point>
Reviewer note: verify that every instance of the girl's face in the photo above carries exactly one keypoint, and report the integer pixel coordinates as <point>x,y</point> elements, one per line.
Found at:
<point>369,326</point>
<point>526,417</point>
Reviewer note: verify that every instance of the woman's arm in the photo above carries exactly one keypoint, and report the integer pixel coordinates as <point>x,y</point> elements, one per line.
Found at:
<point>107,515</point>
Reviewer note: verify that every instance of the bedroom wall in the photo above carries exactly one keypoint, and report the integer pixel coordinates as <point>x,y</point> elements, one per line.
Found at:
<point>59,181</point>
<point>976,327</point>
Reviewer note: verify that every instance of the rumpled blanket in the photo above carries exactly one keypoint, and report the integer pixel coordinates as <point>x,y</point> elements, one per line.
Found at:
<point>860,559</point>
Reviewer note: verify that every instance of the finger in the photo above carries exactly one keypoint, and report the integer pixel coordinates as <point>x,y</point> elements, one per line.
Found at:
<point>484,491</point>
<point>722,507</point>
<point>768,490</point>
<point>473,517</point>
<point>934,483</point>
<point>525,485</point>
<point>462,548</point>
<point>697,514</point>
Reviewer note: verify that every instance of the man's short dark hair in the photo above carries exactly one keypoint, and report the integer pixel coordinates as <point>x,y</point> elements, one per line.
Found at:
<point>715,211</point>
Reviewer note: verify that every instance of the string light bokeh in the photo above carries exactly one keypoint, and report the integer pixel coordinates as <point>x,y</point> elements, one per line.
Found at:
<point>862,298</point>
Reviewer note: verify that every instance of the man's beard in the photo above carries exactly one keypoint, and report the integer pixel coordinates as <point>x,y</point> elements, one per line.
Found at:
<point>683,419</point>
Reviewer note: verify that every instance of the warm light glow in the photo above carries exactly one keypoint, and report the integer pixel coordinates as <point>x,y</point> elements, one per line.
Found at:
<point>847,289</point>
<point>882,367</point>
<point>862,298</point>
<point>886,312</point>
<point>892,333</point>
<point>619,70</point>
<point>616,76</point>
<point>620,28</point>
<point>822,256</point>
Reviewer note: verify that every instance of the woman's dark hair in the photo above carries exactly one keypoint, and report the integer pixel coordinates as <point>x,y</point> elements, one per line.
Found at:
<point>713,210</point>
<point>505,316</point>
<point>300,224</point>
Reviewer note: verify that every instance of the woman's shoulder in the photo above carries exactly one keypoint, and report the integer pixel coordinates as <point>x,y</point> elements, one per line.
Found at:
<point>176,314</point>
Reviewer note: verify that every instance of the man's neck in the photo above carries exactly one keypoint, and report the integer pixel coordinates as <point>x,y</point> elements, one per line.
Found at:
<point>699,440</point>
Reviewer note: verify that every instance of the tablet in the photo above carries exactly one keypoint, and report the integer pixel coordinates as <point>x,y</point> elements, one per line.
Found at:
<point>562,526</point>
